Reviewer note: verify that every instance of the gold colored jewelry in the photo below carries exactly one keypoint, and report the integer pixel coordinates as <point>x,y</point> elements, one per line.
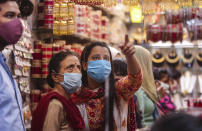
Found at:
<point>173,54</point>
<point>175,60</point>
<point>199,58</point>
<point>185,60</point>
<point>162,59</point>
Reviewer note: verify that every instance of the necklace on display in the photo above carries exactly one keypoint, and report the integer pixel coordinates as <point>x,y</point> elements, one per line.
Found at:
<point>199,58</point>
<point>187,60</point>
<point>162,59</point>
<point>175,60</point>
<point>172,57</point>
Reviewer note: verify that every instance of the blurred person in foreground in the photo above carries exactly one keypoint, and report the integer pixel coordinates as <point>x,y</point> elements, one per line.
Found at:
<point>10,98</point>
<point>178,122</point>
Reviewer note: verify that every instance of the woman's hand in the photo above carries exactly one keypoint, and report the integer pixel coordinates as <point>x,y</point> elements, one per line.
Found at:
<point>128,50</point>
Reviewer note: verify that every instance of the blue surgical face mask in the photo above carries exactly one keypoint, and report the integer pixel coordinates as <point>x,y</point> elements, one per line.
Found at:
<point>72,81</point>
<point>99,70</point>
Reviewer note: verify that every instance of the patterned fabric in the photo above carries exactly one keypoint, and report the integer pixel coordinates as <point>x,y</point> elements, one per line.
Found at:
<point>127,86</point>
<point>94,101</point>
<point>95,111</point>
<point>132,124</point>
<point>94,104</point>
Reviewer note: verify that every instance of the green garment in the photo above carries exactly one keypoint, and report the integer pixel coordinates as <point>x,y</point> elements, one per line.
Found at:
<point>147,107</point>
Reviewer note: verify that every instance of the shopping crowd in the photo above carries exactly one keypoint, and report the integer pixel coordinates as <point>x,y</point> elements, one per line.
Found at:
<point>139,99</point>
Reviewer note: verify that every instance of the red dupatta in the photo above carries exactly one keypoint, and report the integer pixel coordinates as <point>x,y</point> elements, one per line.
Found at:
<point>84,95</point>
<point>74,117</point>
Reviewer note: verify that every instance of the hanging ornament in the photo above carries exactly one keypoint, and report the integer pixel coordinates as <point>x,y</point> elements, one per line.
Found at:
<point>199,59</point>
<point>131,2</point>
<point>110,3</point>
<point>158,59</point>
<point>188,59</point>
<point>88,2</point>
<point>172,59</point>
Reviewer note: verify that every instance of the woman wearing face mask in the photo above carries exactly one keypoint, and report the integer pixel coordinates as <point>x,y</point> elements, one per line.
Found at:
<point>56,111</point>
<point>96,68</point>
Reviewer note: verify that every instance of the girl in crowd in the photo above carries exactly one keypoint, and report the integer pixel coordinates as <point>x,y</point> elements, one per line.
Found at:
<point>164,89</point>
<point>96,67</point>
<point>56,111</point>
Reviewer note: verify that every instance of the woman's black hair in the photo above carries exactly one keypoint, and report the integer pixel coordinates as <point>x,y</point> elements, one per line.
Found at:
<point>120,67</point>
<point>26,8</point>
<point>162,73</point>
<point>112,92</point>
<point>159,73</point>
<point>173,73</point>
<point>156,73</point>
<point>54,64</point>
<point>178,122</point>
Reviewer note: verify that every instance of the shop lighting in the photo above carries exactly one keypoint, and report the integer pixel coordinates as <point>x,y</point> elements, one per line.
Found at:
<point>136,14</point>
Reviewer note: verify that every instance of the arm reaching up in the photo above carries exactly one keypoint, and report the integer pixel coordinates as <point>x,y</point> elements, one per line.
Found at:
<point>128,50</point>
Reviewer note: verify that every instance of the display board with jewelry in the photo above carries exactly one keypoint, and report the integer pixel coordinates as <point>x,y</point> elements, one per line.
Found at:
<point>188,62</point>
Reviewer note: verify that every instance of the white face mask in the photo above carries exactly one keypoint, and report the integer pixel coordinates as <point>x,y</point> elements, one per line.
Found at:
<point>72,82</point>
<point>166,86</point>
